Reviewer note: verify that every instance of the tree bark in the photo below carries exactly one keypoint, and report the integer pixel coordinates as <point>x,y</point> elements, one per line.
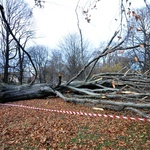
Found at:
<point>15,93</point>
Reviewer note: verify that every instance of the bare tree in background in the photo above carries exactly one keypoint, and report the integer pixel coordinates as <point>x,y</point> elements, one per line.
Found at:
<point>39,55</point>
<point>19,18</point>
<point>74,56</point>
<point>140,33</point>
<point>55,67</point>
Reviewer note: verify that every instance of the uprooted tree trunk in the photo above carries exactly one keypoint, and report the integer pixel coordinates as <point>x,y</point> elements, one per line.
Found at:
<point>15,93</point>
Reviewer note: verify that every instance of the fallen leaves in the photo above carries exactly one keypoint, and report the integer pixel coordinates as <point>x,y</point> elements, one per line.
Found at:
<point>33,129</point>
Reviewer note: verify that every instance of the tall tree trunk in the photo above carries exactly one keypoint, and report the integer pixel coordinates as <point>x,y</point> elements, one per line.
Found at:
<point>20,65</point>
<point>147,52</point>
<point>6,66</point>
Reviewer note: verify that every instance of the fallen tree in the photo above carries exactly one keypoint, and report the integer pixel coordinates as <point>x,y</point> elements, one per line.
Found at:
<point>115,91</point>
<point>108,91</point>
<point>14,93</point>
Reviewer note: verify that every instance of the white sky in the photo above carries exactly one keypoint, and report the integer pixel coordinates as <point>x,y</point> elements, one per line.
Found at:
<point>58,18</point>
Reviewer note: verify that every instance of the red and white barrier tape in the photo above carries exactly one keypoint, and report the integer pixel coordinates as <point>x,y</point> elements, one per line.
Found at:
<point>78,113</point>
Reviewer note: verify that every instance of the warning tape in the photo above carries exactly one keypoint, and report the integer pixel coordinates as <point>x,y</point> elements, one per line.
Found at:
<point>78,113</point>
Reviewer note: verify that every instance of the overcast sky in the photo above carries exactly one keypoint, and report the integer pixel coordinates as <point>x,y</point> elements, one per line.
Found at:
<point>58,18</point>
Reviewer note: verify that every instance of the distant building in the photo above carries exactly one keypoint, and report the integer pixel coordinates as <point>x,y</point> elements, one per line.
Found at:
<point>13,77</point>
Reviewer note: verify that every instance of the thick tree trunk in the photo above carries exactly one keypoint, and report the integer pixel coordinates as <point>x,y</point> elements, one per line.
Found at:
<point>15,93</point>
